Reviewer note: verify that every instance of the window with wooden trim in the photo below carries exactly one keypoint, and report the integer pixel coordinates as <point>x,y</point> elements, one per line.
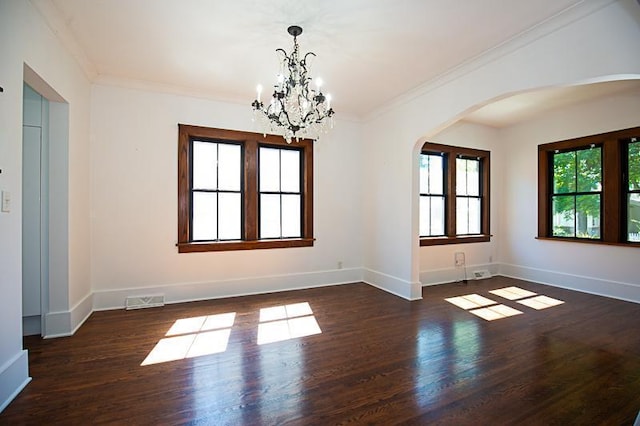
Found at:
<point>632,186</point>
<point>454,195</point>
<point>589,189</point>
<point>243,190</point>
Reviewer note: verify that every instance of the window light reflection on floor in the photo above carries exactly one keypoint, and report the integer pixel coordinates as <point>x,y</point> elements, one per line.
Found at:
<point>192,337</point>
<point>495,312</point>
<point>512,293</point>
<point>540,302</point>
<point>490,310</point>
<point>470,301</point>
<point>286,322</point>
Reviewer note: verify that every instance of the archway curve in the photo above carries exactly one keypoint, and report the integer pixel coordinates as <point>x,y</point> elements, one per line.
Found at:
<point>616,82</point>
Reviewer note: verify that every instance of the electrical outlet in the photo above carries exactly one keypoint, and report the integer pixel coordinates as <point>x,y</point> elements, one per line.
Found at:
<point>459,259</point>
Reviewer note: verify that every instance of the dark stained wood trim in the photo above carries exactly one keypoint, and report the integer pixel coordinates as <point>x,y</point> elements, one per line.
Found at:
<point>250,142</point>
<point>587,241</point>
<point>611,192</point>
<point>308,184</point>
<point>251,190</point>
<point>544,225</point>
<point>436,241</point>
<point>452,152</point>
<point>612,186</point>
<point>183,183</point>
<point>243,245</point>
<point>451,179</point>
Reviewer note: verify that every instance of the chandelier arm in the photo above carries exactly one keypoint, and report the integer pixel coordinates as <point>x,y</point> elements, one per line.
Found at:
<point>303,62</point>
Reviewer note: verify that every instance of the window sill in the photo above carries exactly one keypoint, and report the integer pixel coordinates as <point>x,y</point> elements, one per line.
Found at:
<point>195,247</point>
<point>588,241</point>
<point>436,241</point>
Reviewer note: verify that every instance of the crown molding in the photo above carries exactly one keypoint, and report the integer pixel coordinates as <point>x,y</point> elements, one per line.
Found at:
<point>548,26</point>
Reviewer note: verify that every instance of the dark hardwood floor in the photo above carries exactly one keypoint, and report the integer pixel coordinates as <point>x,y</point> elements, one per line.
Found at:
<point>378,360</point>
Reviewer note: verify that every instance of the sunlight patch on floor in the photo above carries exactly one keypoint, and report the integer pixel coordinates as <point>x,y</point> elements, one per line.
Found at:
<point>541,302</point>
<point>470,301</point>
<point>491,310</point>
<point>193,337</point>
<point>512,293</point>
<point>495,312</point>
<point>279,323</point>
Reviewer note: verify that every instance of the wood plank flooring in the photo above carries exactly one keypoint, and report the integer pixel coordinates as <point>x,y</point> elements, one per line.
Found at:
<point>378,360</point>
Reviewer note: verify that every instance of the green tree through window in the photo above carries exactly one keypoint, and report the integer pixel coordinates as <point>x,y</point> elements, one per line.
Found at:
<point>576,197</point>
<point>589,189</point>
<point>633,194</point>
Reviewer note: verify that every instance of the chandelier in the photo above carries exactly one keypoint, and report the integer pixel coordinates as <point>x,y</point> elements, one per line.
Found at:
<point>295,110</point>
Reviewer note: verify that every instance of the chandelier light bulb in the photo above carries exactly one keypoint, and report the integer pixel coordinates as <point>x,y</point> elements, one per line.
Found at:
<point>328,102</point>
<point>259,90</point>
<point>319,84</point>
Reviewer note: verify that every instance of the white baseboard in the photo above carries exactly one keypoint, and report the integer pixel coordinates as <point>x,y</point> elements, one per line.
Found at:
<point>189,292</point>
<point>14,376</point>
<point>65,323</point>
<point>450,275</point>
<point>394,285</point>
<point>614,289</point>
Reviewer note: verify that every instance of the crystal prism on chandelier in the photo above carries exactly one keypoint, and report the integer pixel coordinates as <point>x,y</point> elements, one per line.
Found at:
<point>295,110</point>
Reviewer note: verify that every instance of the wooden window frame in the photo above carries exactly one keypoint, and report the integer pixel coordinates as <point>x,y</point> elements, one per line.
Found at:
<point>612,202</point>
<point>451,153</point>
<point>443,195</point>
<point>250,205</point>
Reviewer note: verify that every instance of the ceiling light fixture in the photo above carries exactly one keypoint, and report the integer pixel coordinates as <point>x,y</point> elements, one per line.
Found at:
<point>295,110</point>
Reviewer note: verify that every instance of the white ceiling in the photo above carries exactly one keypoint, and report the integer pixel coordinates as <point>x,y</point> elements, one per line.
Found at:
<point>368,51</point>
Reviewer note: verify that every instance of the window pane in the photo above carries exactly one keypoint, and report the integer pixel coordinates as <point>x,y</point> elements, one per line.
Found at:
<point>229,166</point>
<point>461,176</point>
<point>425,206</point>
<point>473,177</point>
<point>205,210</point>
<point>437,215</point>
<point>269,170</point>
<point>589,170</point>
<point>229,216</point>
<point>462,215</point>
<point>291,216</point>
<point>436,174</point>
<point>633,215</point>
<point>588,216</point>
<point>424,175</point>
<point>634,166</point>
<point>474,215</point>
<point>563,208</point>
<point>431,174</point>
<point>431,216</point>
<point>290,170</point>
<point>205,161</point>
<point>564,172</point>
<point>270,216</point>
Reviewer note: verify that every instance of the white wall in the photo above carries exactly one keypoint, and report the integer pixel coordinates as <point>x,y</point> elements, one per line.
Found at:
<point>594,40</point>
<point>437,262</point>
<point>26,39</point>
<point>600,269</point>
<point>134,206</point>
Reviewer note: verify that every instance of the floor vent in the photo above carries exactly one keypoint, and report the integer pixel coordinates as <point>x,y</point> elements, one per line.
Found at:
<point>481,274</point>
<point>139,302</point>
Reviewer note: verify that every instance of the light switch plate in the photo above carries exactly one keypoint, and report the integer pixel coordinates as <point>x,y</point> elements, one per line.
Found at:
<point>6,201</point>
